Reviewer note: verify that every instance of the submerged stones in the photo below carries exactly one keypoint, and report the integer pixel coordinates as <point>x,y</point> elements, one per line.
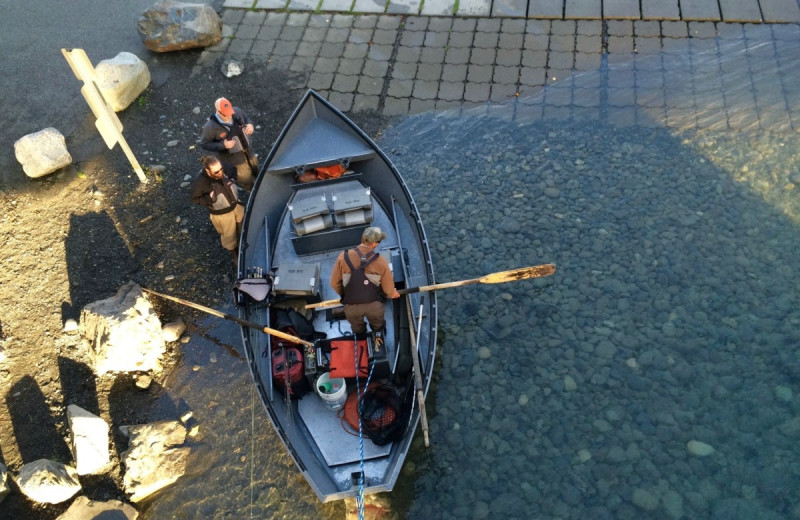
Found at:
<point>156,457</point>
<point>699,448</point>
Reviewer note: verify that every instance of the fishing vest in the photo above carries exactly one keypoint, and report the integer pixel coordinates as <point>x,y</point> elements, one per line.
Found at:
<point>359,289</point>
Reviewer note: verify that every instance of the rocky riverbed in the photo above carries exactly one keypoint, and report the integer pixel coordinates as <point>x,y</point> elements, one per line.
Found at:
<point>79,234</point>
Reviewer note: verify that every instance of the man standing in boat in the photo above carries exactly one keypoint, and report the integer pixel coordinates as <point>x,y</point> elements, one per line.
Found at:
<point>219,194</point>
<point>227,134</point>
<point>364,280</point>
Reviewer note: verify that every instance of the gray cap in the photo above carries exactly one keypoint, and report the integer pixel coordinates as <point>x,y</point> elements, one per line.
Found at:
<point>372,234</point>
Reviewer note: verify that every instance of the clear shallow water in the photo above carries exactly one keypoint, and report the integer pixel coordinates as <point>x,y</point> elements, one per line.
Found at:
<point>673,316</point>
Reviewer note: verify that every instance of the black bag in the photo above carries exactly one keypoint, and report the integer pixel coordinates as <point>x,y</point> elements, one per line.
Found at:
<point>291,318</point>
<point>384,415</point>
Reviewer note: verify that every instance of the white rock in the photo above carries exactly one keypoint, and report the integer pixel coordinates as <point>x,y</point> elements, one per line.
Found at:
<point>175,142</point>
<point>569,383</point>
<point>42,152</point>
<point>699,448</point>
<point>121,79</point>
<point>48,482</point>
<point>155,459</point>
<point>72,326</point>
<point>523,399</point>
<point>143,381</point>
<point>232,68</point>
<point>88,440</point>
<point>84,509</point>
<point>4,489</point>
<point>173,330</point>
<point>484,353</point>
<point>123,332</point>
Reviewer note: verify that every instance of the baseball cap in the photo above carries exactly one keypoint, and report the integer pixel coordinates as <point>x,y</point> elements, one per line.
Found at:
<point>224,107</point>
<point>373,234</point>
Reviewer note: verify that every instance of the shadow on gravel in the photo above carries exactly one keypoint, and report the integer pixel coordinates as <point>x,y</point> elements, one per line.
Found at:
<point>34,427</point>
<point>98,259</point>
<point>78,385</point>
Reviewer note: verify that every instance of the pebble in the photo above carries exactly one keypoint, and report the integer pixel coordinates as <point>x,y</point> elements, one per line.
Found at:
<point>523,399</point>
<point>172,143</point>
<point>699,448</point>
<point>72,326</point>
<point>583,455</point>
<point>484,353</point>
<point>169,277</point>
<point>784,393</point>
<point>569,384</point>
<point>185,184</point>
<point>144,381</point>
<point>645,499</point>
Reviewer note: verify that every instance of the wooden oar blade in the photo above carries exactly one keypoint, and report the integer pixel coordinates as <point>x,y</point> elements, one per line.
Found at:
<point>523,273</point>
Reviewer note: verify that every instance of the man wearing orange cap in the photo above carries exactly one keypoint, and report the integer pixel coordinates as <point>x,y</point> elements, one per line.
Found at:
<point>227,134</point>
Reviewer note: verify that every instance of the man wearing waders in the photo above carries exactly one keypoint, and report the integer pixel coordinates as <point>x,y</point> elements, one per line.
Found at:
<point>364,280</point>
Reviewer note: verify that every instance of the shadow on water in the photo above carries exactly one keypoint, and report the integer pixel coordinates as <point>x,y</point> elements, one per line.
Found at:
<point>672,318</point>
<point>98,260</point>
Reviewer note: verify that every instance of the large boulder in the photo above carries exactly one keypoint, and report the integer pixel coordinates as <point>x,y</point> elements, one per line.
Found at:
<point>174,26</point>
<point>42,152</point>
<point>48,482</point>
<point>156,457</point>
<point>4,489</point>
<point>89,440</point>
<point>121,79</point>
<point>84,509</point>
<point>123,332</point>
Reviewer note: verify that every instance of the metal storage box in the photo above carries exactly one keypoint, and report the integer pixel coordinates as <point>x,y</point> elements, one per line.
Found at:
<point>310,215</point>
<point>352,208</point>
<point>297,279</point>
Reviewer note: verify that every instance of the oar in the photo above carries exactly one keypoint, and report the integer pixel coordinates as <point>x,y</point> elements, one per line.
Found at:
<point>219,314</point>
<point>423,415</point>
<point>523,273</point>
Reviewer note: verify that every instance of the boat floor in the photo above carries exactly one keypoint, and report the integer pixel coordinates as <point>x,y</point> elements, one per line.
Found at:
<point>336,444</point>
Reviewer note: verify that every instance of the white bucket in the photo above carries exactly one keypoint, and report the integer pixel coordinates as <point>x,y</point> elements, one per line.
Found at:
<point>332,390</point>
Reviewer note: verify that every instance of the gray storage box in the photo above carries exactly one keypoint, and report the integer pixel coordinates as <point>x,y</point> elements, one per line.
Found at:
<point>352,208</point>
<point>308,207</point>
<point>310,215</point>
<point>297,279</point>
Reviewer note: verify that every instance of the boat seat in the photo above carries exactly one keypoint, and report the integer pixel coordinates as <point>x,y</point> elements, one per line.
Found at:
<point>310,215</point>
<point>352,207</point>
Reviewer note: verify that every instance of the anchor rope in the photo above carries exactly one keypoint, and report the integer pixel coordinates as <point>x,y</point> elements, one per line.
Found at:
<point>360,395</point>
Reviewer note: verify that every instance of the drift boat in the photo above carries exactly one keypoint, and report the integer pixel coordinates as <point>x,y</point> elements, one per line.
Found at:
<point>322,184</point>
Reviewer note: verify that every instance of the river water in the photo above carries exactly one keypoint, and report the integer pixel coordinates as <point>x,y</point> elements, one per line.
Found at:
<point>653,376</point>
